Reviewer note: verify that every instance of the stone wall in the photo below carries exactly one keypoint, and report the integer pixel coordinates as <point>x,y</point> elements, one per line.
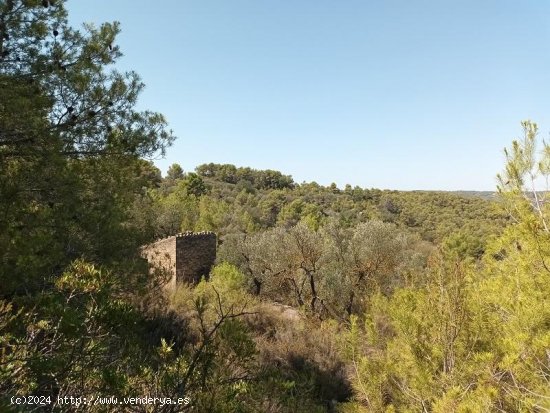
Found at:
<point>162,256</point>
<point>185,257</point>
<point>195,256</point>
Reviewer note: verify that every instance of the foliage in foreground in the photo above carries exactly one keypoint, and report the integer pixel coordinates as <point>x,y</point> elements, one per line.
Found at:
<point>473,338</point>
<point>332,295</point>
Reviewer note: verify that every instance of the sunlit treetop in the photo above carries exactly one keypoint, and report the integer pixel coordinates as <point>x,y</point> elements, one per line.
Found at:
<point>91,104</point>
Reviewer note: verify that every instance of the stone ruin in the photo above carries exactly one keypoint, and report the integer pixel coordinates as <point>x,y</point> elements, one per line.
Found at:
<point>187,257</point>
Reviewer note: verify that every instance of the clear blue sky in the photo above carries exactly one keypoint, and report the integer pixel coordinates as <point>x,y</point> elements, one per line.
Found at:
<point>385,94</point>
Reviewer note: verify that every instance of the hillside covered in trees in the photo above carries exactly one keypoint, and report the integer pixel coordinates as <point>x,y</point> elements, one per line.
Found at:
<point>229,199</point>
<point>323,299</point>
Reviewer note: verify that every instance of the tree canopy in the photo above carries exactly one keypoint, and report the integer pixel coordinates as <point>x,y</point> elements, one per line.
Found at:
<point>322,299</point>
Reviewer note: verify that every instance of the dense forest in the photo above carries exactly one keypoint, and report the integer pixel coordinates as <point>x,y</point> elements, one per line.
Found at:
<point>323,299</point>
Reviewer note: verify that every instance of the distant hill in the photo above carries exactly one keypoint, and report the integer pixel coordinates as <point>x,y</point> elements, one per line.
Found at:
<point>229,199</point>
<point>488,195</point>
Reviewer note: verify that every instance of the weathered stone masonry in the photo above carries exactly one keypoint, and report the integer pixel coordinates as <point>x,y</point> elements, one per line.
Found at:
<point>187,256</point>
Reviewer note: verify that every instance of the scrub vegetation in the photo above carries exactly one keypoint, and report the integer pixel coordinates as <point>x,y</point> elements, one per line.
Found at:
<point>323,299</point>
